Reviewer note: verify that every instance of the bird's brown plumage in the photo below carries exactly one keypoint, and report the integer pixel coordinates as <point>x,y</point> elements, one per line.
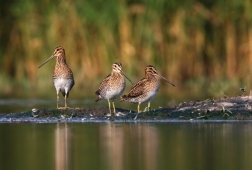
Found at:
<point>146,88</point>
<point>62,78</point>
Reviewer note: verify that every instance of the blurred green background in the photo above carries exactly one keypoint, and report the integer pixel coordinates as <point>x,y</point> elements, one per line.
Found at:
<point>204,47</point>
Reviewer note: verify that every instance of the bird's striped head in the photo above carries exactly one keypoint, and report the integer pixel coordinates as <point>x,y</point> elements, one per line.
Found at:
<point>59,51</point>
<point>117,67</point>
<point>151,70</point>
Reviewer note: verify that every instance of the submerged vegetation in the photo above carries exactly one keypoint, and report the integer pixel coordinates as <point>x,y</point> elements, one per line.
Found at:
<point>204,47</point>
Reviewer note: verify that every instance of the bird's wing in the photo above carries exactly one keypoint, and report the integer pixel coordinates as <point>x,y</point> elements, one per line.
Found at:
<point>137,89</point>
<point>103,83</point>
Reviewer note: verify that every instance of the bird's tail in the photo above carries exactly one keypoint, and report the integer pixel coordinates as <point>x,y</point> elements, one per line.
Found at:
<point>98,95</point>
<point>123,98</point>
<point>97,99</point>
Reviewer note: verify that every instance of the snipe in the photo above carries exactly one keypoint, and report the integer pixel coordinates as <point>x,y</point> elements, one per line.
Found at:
<point>145,89</point>
<point>112,86</point>
<point>62,78</point>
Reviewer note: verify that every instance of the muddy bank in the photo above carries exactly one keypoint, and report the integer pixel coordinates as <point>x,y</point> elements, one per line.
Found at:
<point>228,109</point>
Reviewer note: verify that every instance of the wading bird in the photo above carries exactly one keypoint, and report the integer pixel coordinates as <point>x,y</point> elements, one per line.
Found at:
<point>112,86</point>
<point>145,89</point>
<point>62,78</point>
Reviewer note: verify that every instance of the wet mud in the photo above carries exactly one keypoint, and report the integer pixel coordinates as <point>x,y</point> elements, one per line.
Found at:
<point>228,109</point>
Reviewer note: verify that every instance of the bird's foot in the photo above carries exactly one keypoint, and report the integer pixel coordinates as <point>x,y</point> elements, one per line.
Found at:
<point>120,114</point>
<point>107,114</point>
<point>63,108</point>
<point>147,109</point>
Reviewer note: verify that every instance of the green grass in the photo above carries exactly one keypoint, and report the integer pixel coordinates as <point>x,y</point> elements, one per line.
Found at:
<point>201,46</point>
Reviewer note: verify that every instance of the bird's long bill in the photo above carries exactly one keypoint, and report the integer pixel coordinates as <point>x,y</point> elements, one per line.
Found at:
<point>126,77</point>
<point>46,61</point>
<point>166,80</point>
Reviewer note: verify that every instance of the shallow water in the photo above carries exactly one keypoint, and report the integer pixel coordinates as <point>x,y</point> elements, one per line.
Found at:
<point>16,105</point>
<point>126,146</point>
<point>19,105</point>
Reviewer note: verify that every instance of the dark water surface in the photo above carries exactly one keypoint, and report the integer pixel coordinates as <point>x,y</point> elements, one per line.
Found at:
<point>115,146</point>
<point>15,105</point>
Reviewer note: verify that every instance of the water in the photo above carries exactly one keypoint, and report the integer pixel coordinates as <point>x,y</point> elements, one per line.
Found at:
<point>15,105</point>
<point>115,146</point>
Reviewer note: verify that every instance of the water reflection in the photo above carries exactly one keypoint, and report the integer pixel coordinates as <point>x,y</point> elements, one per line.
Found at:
<point>113,145</point>
<point>121,137</point>
<point>126,146</point>
<point>62,144</point>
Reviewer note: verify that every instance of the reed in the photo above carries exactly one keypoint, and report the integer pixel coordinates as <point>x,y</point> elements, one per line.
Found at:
<point>198,45</point>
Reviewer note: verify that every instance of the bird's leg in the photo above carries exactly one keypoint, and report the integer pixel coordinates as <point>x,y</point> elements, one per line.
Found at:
<point>57,100</point>
<point>65,101</point>
<point>109,106</point>
<point>114,107</point>
<point>148,106</point>
<point>138,108</point>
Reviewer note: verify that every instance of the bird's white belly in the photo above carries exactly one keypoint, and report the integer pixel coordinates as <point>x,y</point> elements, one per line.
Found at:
<point>113,93</point>
<point>147,97</point>
<point>61,84</point>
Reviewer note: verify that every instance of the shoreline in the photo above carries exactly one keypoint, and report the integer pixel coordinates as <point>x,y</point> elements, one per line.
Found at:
<point>234,109</point>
